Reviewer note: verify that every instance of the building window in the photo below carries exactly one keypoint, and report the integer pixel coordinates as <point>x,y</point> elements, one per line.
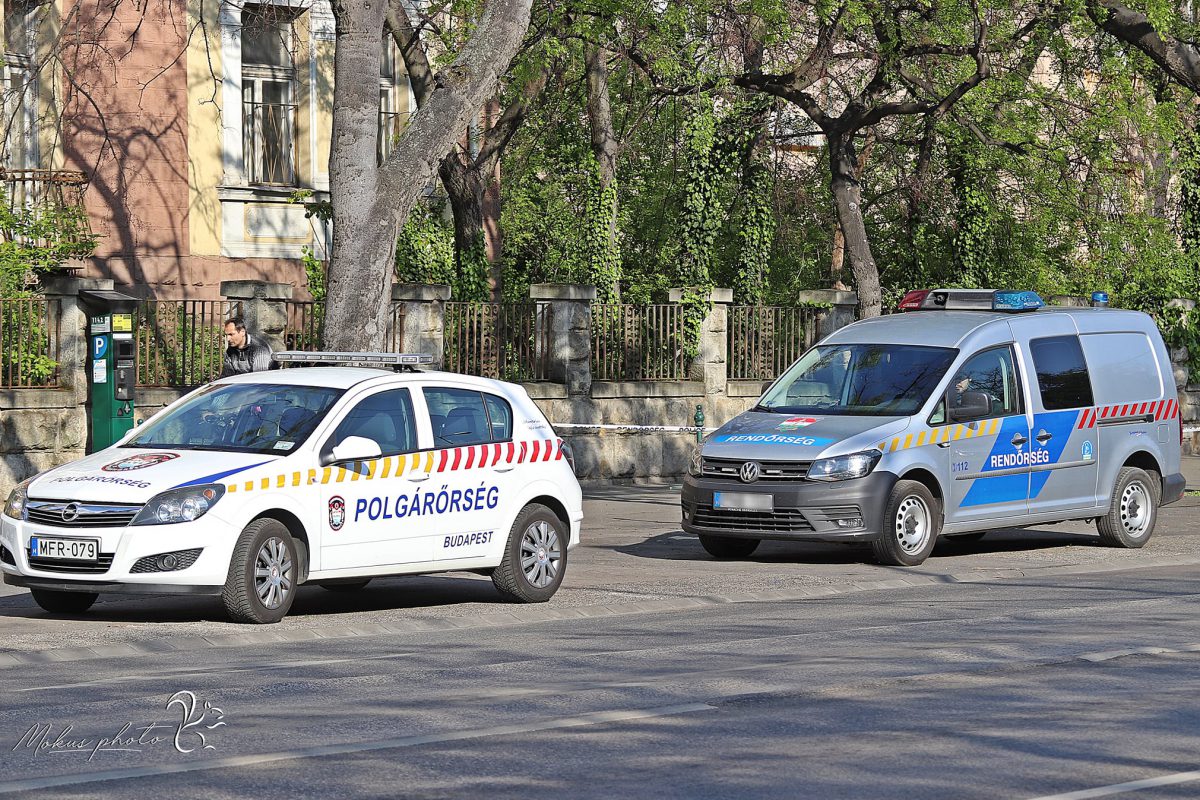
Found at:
<point>393,97</point>
<point>19,86</point>
<point>268,104</point>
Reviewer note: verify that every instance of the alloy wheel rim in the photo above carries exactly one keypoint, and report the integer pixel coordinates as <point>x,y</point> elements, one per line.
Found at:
<point>541,554</point>
<point>1135,509</point>
<point>912,524</point>
<point>273,573</point>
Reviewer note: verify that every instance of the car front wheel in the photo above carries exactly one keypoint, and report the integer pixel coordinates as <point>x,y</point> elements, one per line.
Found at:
<point>911,525</point>
<point>261,584</point>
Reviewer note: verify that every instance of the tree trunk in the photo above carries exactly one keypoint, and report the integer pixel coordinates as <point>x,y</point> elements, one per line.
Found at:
<point>604,148</point>
<point>847,197</point>
<point>370,204</point>
<point>465,188</point>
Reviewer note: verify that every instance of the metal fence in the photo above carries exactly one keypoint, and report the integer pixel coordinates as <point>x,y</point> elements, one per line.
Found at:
<point>638,343</point>
<point>508,341</point>
<point>29,341</point>
<point>764,340</point>
<point>306,326</point>
<point>180,343</point>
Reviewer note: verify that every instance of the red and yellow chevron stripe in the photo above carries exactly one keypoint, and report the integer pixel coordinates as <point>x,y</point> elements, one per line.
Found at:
<point>1160,409</point>
<point>455,459</point>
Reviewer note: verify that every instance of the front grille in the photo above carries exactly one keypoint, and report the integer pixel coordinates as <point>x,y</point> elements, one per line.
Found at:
<point>183,560</point>
<point>7,557</point>
<point>767,470</point>
<point>100,565</point>
<point>87,515</point>
<point>781,520</point>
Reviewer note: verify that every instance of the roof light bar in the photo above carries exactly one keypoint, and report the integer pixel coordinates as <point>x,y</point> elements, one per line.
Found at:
<point>979,300</point>
<point>912,300</point>
<point>337,357</point>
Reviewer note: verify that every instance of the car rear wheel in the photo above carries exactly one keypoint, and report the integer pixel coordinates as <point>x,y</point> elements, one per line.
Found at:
<point>727,546</point>
<point>535,557</point>
<point>63,602</point>
<point>911,525</point>
<point>262,574</point>
<point>1133,510</point>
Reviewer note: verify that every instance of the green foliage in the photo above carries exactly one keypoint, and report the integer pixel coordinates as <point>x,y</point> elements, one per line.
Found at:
<point>425,249</point>
<point>603,250</point>
<point>314,273</point>
<point>38,239</point>
<point>755,235</point>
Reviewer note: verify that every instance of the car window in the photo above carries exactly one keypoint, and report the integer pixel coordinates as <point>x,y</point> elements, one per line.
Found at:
<point>992,372</point>
<point>499,417</point>
<point>859,379</point>
<point>458,417</point>
<point>1062,373</point>
<point>240,417</point>
<point>1123,367</point>
<point>385,418</point>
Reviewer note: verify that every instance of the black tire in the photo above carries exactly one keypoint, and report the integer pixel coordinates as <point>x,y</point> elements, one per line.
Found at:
<point>346,586</point>
<point>906,539</point>
<point>270,540</point>
<point>535,557</point>
<point>973,536</point>
<point>724,547</point>
<point>63,602</point>
<point>1133,510</point>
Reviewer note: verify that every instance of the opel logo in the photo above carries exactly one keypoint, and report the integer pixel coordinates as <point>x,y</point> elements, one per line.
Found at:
<point>70,512</point>
<point>749,472</point>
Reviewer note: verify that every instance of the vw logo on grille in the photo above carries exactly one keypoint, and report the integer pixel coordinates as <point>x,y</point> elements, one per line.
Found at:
<point>70,512</point>
<point>749,472</point>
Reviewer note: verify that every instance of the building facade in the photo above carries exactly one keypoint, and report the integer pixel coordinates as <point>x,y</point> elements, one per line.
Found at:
<point>198,127</point>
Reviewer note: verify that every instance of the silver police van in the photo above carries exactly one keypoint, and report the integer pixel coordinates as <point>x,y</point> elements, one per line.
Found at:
<point>982,410</point>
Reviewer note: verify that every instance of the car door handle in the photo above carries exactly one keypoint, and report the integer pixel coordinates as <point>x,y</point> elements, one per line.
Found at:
<point>1044,437</point>
<point>417,477</point>
<point>1019,440</point>
<point>503,467</point>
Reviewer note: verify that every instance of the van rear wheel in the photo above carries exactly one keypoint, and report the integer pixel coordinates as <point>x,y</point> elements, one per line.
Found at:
<point>1133,509</point>
<point>911,524</point>
<point>728,546</point>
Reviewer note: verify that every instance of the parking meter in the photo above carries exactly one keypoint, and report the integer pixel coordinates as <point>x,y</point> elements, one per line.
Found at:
<point>112,364</point>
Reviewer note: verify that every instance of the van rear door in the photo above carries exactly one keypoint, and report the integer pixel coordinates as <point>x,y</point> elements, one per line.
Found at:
<point>1063,455</point>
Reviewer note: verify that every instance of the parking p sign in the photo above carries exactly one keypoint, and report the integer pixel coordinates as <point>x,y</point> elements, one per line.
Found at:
<point>99,346</point>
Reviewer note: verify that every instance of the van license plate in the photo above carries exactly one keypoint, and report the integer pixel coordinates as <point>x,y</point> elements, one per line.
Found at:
<point>66,549</point>
<point>743,501</point>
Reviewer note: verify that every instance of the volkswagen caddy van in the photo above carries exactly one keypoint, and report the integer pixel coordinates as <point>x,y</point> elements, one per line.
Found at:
<point>982,410</point>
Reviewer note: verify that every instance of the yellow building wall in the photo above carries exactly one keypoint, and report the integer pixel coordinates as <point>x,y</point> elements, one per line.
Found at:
<point>204,131</point>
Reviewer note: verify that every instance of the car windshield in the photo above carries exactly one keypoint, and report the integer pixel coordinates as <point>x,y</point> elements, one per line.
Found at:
<point>859,379</point>
<point>240,417</point>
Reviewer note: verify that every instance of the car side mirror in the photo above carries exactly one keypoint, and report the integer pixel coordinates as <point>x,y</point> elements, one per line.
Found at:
<point>971,405</point>
<point>353,448</point>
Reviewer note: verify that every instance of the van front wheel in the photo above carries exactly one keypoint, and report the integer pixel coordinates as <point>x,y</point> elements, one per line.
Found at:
<point>1133,509</point>
<point>911,524</point>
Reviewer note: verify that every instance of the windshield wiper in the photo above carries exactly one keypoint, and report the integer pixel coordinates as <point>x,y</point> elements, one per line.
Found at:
<point>764,409</point>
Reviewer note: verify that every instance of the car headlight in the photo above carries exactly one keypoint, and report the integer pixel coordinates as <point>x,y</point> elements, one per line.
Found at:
<point>15,506</point>
<point>696,465</point>
<point>842,468</point>
<point>179,505</point>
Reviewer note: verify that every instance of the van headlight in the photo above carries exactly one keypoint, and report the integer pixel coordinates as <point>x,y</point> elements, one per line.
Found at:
<point>696,464</point>
<point>15,506</point>
<point>843,468</point>
<point>179,505</point>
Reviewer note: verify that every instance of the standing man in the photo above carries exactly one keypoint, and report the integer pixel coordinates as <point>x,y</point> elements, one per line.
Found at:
<point>243,353</point>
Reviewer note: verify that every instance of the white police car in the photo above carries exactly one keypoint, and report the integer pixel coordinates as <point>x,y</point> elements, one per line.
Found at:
<point>984,410</point>
<point>253,485</point>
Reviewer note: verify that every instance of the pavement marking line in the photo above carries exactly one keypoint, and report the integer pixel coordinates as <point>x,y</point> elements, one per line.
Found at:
<point>235,762</point>
<point>1121,788</point>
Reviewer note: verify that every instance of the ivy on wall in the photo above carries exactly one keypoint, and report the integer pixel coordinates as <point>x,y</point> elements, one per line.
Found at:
<point>603,252</point>
<point>755,234</point>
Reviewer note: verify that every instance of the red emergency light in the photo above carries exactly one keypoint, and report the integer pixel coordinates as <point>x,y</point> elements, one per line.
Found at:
<point>912,300</point>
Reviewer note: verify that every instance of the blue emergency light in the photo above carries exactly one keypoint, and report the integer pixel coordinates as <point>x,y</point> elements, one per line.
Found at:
<point>1016,301</point>
<point>1100,299</point>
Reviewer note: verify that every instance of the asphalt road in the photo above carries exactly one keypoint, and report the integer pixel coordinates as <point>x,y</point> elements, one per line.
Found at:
<point>1031,664</point>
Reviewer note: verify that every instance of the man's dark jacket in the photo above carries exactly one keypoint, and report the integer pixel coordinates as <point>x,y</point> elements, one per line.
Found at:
<point>254,357</point>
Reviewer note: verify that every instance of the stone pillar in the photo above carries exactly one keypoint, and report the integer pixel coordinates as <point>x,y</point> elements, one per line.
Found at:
<point>1180,358</point>
<point>424,319</point>
<point>73,346</point>
<point>570,339</point>
<point>844,308</point>
<point>264,306</point>
<point>712,366</point>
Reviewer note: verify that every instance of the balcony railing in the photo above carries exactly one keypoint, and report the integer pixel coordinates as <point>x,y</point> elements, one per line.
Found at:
<point>27,193</point>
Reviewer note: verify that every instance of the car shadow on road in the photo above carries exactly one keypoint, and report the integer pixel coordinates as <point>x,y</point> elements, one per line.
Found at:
<point>677,545</point>
<point>382,594</point>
